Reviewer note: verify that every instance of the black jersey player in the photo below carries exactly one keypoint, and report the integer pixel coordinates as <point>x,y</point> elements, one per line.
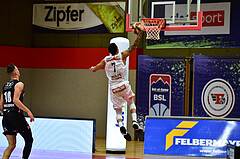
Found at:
<point>13,118</point>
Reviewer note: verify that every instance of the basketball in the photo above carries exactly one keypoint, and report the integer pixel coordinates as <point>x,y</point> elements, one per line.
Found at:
<point>137,27</point>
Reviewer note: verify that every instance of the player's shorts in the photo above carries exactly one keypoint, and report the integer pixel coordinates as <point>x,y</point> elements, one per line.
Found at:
<point>13,122</point>
<point>120,94</point>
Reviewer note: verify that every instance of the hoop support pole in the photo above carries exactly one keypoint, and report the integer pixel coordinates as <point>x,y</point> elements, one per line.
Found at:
<point>128,28</point>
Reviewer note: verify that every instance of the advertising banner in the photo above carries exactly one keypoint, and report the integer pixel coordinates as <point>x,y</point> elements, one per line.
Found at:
<point>80,136</point>
<point>161,84</point>
<point>160,95</point>
<point>216,86</point>
<point>190,136</point>
<point>102,17</point>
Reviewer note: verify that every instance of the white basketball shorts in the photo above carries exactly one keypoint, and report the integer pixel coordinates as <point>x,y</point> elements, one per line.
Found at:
<point>120,94</point>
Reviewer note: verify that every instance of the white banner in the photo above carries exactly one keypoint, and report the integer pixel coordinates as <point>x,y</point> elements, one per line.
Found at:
<point>75,135</point>
<point>64,16</point>
<point>77,16</point>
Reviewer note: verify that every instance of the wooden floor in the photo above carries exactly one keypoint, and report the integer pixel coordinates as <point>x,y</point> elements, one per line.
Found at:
<point>134,150</point>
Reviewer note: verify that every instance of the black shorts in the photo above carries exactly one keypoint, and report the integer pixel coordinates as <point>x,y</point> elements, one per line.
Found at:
<point>14,122</point>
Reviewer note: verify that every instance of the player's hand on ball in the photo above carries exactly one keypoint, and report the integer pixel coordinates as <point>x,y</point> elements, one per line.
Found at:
<point>137,27</point>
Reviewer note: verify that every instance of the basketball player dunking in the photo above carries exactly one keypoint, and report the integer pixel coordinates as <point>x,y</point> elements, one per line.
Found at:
<point>120,89</point>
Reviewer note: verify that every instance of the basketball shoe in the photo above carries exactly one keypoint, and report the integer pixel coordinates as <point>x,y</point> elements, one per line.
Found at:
<point>125,134</point>
<point>136,126</point>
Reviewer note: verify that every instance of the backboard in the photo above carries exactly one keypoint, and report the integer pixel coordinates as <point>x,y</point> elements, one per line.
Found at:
<point>181,15</point>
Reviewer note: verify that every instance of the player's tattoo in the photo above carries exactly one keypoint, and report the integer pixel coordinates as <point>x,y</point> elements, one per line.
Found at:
<point>135,44</point>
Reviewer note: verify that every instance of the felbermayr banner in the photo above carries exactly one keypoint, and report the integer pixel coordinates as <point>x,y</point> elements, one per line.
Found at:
<point>160,86</point>
<point>216,86</point>
<point>102,17</point>
<point>190,136</point>
<point>219,26</point>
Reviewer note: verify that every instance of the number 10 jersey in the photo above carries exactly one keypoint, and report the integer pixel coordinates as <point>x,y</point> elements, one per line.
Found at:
<point>8,94</point>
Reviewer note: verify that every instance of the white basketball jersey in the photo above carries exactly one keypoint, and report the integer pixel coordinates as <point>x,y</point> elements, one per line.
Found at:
<point>116,70</point>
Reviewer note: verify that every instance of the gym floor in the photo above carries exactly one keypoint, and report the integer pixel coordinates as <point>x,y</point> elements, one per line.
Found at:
<point>134,150</point>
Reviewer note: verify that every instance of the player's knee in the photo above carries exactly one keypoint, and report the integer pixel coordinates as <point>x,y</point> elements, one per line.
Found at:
<point>132,106</point>
<point>29,140</point>
<point>12,146</point>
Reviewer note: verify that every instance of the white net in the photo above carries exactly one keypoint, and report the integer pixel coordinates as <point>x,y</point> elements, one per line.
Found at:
<point>153,27</point>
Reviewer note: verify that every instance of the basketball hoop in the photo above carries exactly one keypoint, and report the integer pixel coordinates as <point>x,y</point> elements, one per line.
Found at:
<point>153,27</point>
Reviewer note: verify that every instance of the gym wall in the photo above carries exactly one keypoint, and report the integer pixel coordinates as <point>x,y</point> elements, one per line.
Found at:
<point>66,92</point>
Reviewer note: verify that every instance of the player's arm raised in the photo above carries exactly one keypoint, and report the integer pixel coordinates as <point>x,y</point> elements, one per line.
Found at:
<point>98,66</point>
<point>127,52</point>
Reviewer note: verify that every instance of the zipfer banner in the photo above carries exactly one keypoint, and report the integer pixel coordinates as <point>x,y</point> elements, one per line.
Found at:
<point>102,17</point>
<point>187,136</point>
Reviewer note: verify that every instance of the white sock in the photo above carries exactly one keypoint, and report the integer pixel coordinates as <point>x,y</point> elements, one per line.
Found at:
<point>134,116</point>
<point>120,124</point>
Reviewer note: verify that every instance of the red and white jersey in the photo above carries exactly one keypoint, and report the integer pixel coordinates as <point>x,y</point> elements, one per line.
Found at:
<point>116,70</point>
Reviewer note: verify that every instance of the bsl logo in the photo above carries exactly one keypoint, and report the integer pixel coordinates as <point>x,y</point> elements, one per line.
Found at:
<point>159,97</point>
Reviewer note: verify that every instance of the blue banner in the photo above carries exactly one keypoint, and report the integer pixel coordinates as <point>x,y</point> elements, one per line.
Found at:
<point>216,86</point>
<point>190,136</point>
<point>161,84</point>
<point>160,95</point>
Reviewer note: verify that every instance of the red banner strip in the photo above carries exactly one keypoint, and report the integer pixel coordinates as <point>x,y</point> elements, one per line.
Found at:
<point>62,58</point>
